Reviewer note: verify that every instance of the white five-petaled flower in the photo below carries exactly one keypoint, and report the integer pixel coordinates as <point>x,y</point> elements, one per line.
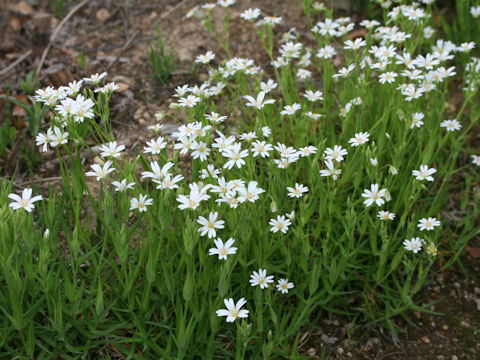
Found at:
<point>424,173</point>
<point>279,224</point>
<point>359,139</point>
<point>330,170</point>
<point>209,226</point>
<point>25,202</point>
<point>374,195</point>
<point>192,201</point>
<point>223,249</point>
<point>451,125</point>
<point>259,101</point>
<point>417,120</point>
<point>283,285</point>
<point>141,203</point>
<point>388,77</point>
<point>205,58</point>
<point>111,149</point>
<point>95,78</point>
<point>155,146</point>
<point>189,101</point>
<point>250,14</point>
<point>415,244</point>
<point>261,148</point>
<point>298,191</point>
<point>337,153</point>
<point>233,311</point>
<point>343,72</point>
<point>428,224</point>
<point>385,215</point>
<point>122,185</point>
<point>290,109</point>
<point>101,171</point>
<point>250,192</point>
<point>261,279</point>
<point>235,154</point>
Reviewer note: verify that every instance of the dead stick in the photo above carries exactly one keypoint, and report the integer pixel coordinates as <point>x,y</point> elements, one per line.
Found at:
<point>15,63</point>
<point>22,185</point>
<point>55,33</point>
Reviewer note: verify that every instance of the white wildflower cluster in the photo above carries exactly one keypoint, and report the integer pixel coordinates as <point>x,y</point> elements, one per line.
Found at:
<point>239,163</point>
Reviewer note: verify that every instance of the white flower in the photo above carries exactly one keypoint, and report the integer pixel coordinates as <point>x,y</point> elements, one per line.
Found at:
<point>200,150</point>
<point>424,173</point>
<point>235,154</point>
<point>141,203</point>
<point>475,11</point>
<point>354,45</point>
<point>261,279</point>
<point>385,215</point>
<point>428,224</point>
<point>451,125</point>
<point>280,223</point>
<point>155,128</point>
<point>101,171</point>
<point>44,139</point>
<point>192,201</point>
<point>223,250</point>
<point>111,149</point>
<point>298,191</point>
<point>336,153</point>
<point>359,139</point>
<point>261,148</point>
<point>249,193</point>
<point>122,185</point>
<point>259,101</point>
<point>313,95</point>
<point>95,78</point>
<point>417,120</point>
<point>475,159</point>
<point>157,173</point>
<point>330,171</point>
<point>343,72</point>
<point>209,226</point>
<point>216,118</point>
<point>326,52</point>
<point>290,109</point>
<point>415,244</point>
<point>107,88</point>
<point>58,137</point>
<point>168,182</point>
<point>374,195</point>
<point>210,171</point>
<point>268,86</point>
<point>24,202</point>
<point>307,151</point>
<point>189,101</point>
<point>155,146</point>
<point>206,58</point>
<point>389,77</point>
<point>283,285</point>
<point>466,47</point>
<point>233,310</point>
<point>250,14</point>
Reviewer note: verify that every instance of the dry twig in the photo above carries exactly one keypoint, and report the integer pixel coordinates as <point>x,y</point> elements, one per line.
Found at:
<point>15,63</point>
<point>55,33</point>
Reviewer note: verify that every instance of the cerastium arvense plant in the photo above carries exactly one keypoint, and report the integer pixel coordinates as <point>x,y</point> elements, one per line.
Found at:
<point>305,190</point>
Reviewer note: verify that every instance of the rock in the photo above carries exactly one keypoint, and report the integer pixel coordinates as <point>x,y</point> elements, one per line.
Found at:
<point>102,14</point>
